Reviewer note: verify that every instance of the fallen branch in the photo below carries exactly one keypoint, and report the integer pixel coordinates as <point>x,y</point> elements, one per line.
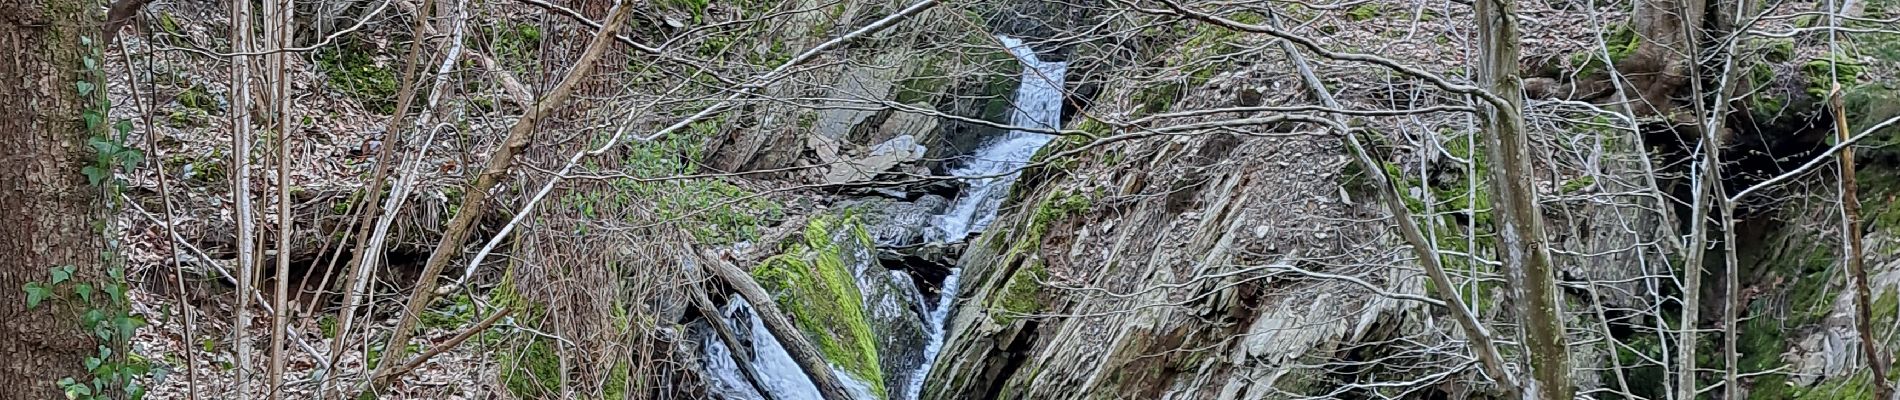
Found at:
<point>446,346</point>
<point>794,341</point>
<point>741,354</point>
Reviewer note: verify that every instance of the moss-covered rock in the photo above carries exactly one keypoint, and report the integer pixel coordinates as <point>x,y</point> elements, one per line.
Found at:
<point>813,281</point>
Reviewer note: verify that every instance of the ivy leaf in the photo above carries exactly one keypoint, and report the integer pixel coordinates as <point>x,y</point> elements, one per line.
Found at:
<point>129,324</point>
<point>124,127</point>
<point>115,292</point>
<point>94,174</point>
<point>93,120</point>
<point>104,147</point>
<point>35,293</point>
<point>94,317</point>
<point>85,292</point>
<point>92,363</point>
<point>85,88</point>
<point>61,274</point>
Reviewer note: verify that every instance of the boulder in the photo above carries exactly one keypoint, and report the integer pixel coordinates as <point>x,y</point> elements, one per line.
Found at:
<point>896,223</point>
<point>880,158</point>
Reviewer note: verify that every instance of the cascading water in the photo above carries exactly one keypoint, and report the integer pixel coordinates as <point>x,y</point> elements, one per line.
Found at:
<point>992,170</point>
<point>994,167</point>
<point>989,173</point>
<point>777,372</point>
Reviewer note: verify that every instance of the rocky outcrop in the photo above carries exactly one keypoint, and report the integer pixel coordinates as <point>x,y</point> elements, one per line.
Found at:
<point>1161,270</point>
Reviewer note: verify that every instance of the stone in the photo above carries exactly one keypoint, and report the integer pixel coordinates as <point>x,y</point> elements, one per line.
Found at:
<point>894,223</point>
<point>882,157</point>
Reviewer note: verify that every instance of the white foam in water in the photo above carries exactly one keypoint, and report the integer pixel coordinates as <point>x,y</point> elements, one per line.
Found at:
<point>778,373</point>
<point>991,171</point>
<point>934,325</point>
<point>1038,105</point>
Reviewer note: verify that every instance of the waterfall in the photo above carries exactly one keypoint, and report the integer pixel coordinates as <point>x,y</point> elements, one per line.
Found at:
<point>994,167</point>
<point>992,170</point>
<point>934,323</point>
<point>989,173</point>
<point>777,371</point>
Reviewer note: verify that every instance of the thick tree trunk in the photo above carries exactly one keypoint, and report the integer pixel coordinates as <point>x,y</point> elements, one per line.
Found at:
<point>50,213</point>
<point>1520,225</point>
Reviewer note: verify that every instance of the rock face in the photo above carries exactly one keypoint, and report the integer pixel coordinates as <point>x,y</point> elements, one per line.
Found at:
<point>1171,273</point>
<point>879,159</point>
<point>891,85</point>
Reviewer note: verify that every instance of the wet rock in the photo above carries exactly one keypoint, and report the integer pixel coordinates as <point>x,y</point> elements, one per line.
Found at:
<point>927,264</point>
<point>862,317</point>
<point>896,223</point>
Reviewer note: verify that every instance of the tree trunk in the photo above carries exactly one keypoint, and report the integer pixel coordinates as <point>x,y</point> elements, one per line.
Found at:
<point>1520,225</point>
<point>50,212</point>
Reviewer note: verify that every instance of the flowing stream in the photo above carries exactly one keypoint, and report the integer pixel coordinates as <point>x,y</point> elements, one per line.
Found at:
<point>989,172</point>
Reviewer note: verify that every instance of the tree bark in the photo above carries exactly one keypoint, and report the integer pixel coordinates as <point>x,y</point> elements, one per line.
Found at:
<point>1520,225</point>
<point>50,212</point>
<point>1856,269</point>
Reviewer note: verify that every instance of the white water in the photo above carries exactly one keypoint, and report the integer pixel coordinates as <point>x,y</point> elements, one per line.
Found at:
<point>990,172</point>
<point>934,326</point>
<point>994,167</point>
<point>777,372</point>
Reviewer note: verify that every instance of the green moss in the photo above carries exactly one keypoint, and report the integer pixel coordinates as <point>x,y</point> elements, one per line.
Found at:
<point>168,24</point>
<point>1061,206</point>
<point>1577,184</point>
<point>531,370</point>
<point>1621,42</point>
<point>1019,297</point>
<point>1820,73</point>
<point>352,69</point>
<point>1158,98</point>
<point>812,282</point>
<point>195,97</point>
<point>461,310</point>
<point>618,380</point>
<point>1365,11</point>
<point>925,82</point>
<point>1778,49</point>
<point>1805,263</point>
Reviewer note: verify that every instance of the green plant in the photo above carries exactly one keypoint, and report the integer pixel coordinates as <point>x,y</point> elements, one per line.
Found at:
<point>1364,12</point>
<point>101,307</point>
<point>104,312</point>
<point>352,69</point>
